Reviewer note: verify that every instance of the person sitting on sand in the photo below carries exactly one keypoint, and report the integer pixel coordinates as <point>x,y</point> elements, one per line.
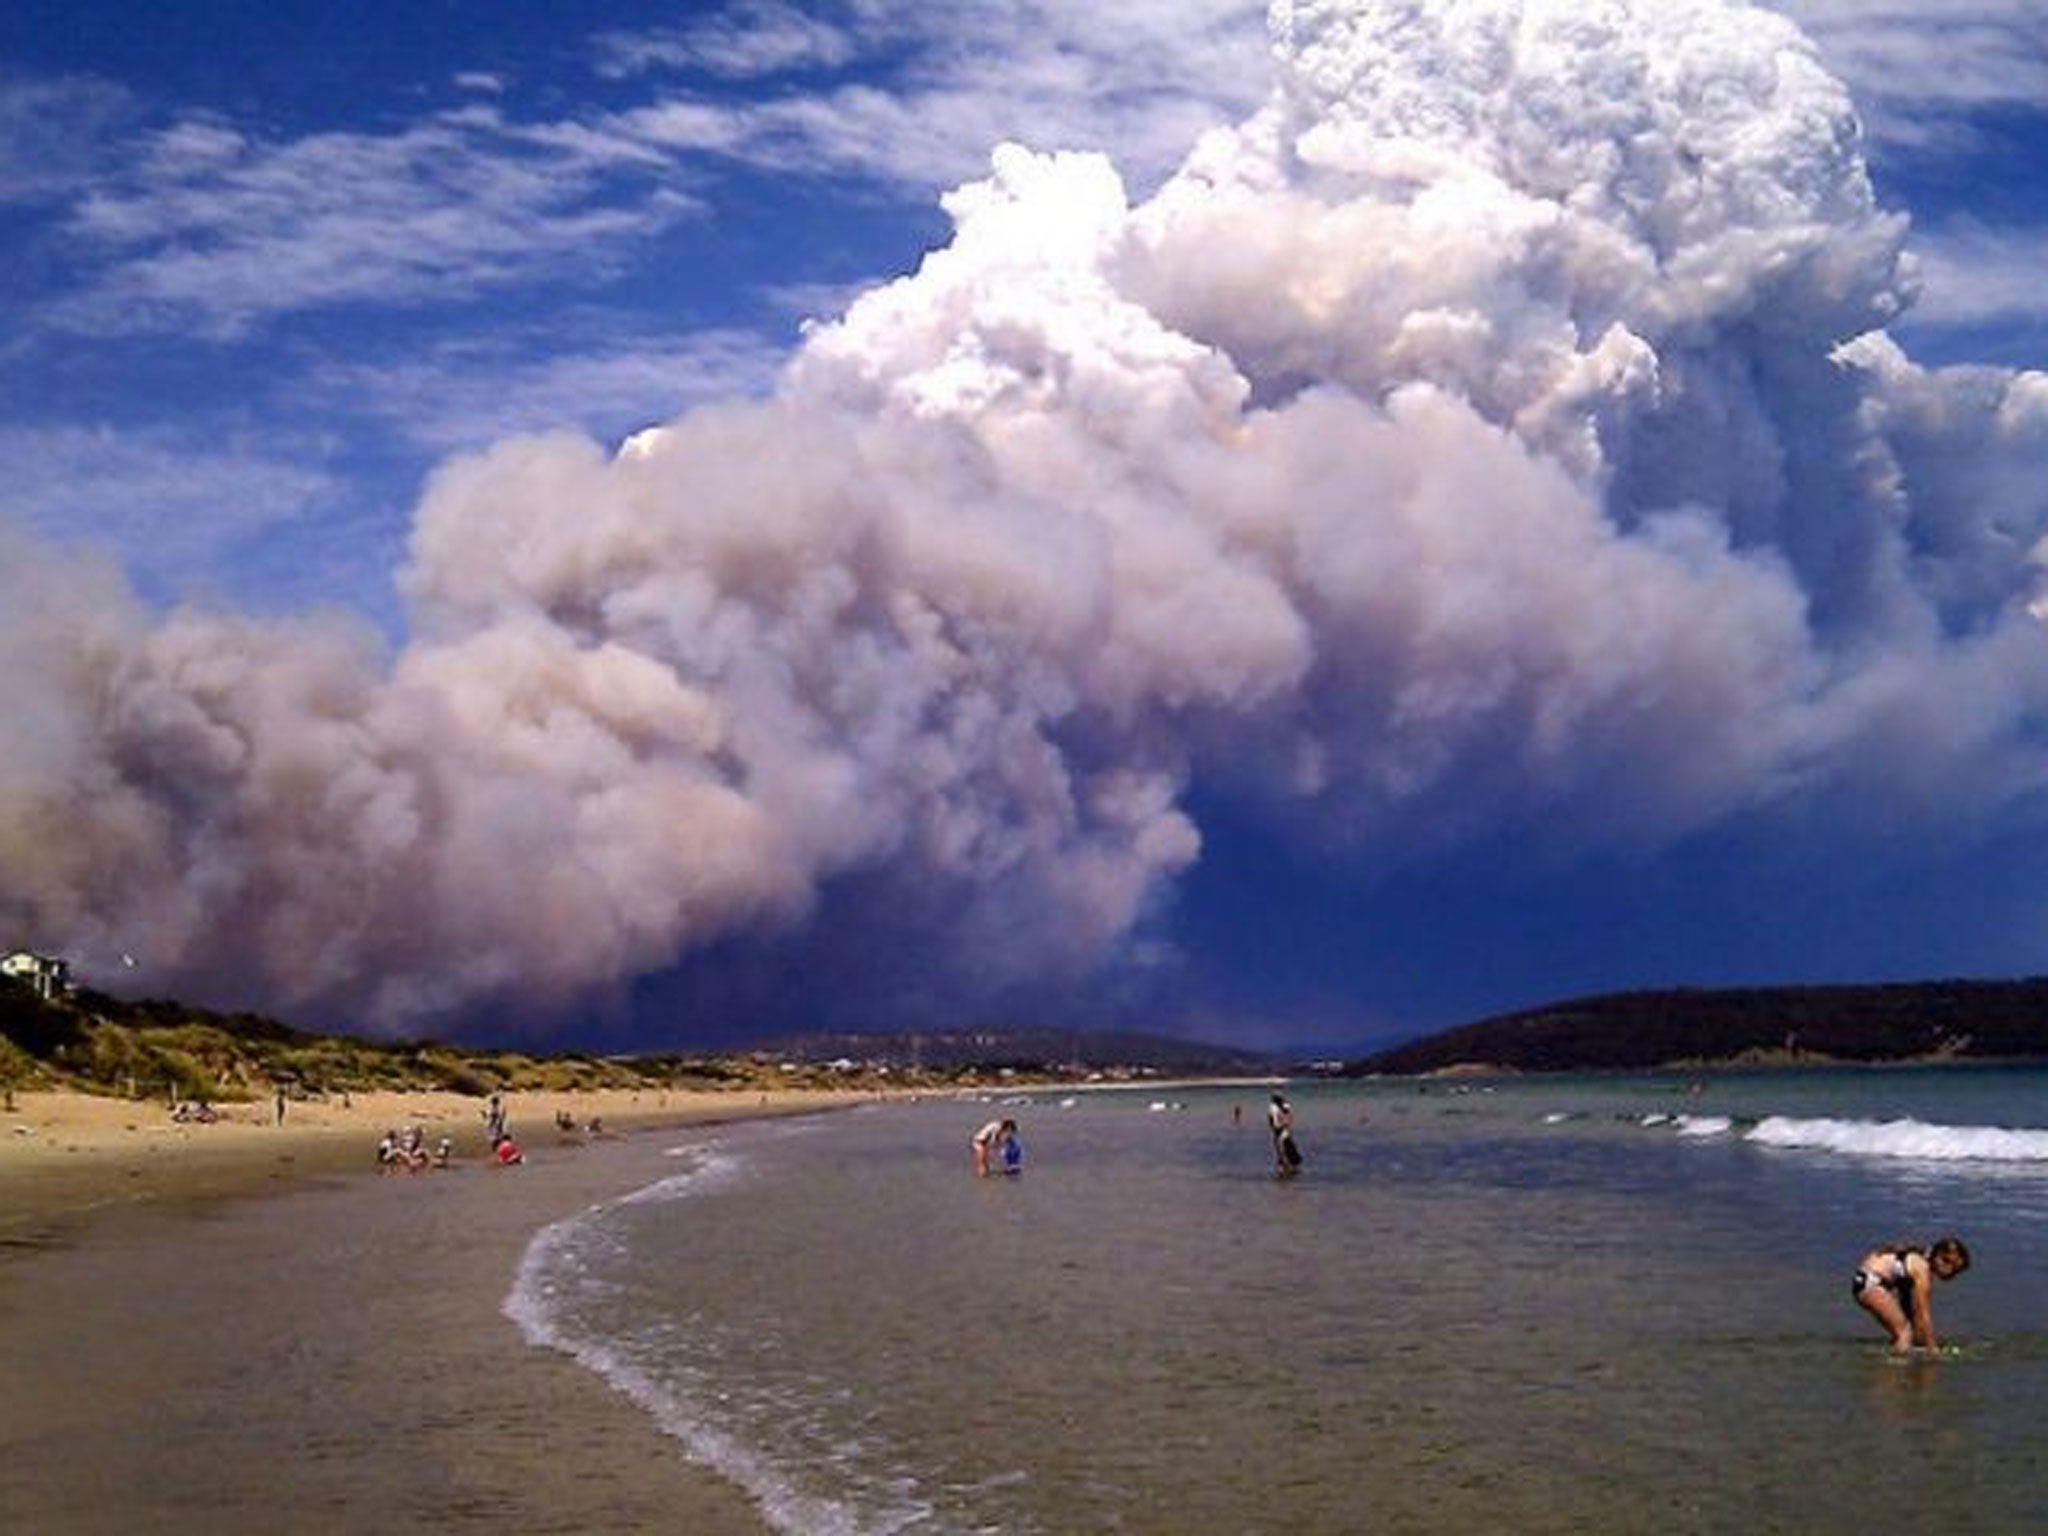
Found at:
<point>507,1152</point>
<point>412,1150</point>
<point>1894,1284</point>
<point>987,1141</point>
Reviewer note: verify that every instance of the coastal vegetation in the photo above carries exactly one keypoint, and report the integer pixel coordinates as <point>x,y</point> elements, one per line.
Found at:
<point>160,1049</point>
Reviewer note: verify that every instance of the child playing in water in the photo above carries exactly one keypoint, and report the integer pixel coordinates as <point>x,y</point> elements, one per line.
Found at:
<point>1893,1286</point>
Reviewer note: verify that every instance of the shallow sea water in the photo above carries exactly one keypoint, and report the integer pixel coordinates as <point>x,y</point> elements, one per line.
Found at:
<point>1600,1304</point>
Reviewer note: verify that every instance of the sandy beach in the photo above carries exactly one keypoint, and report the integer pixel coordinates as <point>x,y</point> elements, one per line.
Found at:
<point>329,1355</point>
<point>63,1155</point>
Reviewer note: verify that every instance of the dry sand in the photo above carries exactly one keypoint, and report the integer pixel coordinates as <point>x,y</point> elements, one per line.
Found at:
<point>63,1155</point>
<point>330,1358</point>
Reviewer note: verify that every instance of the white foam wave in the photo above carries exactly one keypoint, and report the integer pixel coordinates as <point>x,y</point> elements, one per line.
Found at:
<point>1905,1138</point>
<point>711,1168</point>
<point>554,1274</point>
<point>556,1260</point>
<point>1704,1125</point>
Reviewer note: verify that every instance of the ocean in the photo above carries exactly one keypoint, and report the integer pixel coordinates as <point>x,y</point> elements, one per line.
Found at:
<point>1569,1304</point>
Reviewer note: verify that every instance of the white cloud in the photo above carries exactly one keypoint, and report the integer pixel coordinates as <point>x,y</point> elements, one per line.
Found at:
<point>164,503</point>
<point>1976,276</point>
<point>1141,80</point>
<point>743,42</point>
<point>204,225</point>
<point>466,396</point>
<point>1920,70</point>
<point>1951,89</point>
<point>55,134</point>
<point>213,229</point>
<point>808,303</point>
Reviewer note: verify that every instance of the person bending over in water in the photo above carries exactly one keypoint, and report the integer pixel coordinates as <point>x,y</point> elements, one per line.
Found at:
<point>991,1141</point>
<point>1893,1286</point>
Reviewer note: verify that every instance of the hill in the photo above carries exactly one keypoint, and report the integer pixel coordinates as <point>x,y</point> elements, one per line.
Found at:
<point>163,1049</point>
<point>1910,1021</point>
<point>1040,1051</point>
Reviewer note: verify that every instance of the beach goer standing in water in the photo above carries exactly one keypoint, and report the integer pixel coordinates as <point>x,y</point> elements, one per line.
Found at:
<point>1893,1286</point>
<point>988,1141</point>
<point>1280,1121</point>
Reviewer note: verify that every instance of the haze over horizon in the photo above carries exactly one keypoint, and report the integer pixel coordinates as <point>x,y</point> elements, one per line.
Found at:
<point>1311,527</point>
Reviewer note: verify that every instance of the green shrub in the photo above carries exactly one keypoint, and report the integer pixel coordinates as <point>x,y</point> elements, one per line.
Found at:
<point>18,1069</point>
<point>39,1028</point>
<point>112,1055</point>
<point>185,1077</point>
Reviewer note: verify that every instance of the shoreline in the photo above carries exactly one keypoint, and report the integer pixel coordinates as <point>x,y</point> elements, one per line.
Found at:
<point>331,1355</point>
<point>65,1155</point>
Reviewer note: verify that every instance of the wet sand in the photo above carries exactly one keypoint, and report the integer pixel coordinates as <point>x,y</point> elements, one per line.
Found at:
<point>176,1351</point>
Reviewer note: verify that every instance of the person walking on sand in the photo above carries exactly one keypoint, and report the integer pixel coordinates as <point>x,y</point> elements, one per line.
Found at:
<point>988,1141</point>
<point>1280,1121</point>
<point>1894,1284</point>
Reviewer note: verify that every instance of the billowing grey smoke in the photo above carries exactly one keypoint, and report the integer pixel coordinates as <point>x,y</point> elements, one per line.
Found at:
<point>1499,425</point>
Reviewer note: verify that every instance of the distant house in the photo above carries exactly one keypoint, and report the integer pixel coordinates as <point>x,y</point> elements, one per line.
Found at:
<point>46,977</point>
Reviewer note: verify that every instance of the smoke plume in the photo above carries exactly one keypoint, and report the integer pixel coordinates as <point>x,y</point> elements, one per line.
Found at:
<point>1500,427</point>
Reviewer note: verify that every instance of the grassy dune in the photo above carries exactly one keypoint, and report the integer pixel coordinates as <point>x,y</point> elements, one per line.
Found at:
<point>154,1049</point>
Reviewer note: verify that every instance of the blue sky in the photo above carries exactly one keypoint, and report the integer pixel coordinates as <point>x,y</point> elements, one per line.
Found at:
<point>272,271</point>
<point>289,260</point>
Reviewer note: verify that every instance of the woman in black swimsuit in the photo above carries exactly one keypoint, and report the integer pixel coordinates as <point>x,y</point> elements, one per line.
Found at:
<point>1893,1286</point>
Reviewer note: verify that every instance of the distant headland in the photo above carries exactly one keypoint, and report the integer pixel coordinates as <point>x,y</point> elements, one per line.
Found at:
<point>1926,1021</point>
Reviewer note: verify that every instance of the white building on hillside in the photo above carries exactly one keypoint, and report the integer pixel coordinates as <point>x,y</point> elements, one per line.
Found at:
<point>46,977</point>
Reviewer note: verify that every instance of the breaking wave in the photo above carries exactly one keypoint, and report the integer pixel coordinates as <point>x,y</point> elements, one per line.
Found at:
<point>1905,1138</point>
